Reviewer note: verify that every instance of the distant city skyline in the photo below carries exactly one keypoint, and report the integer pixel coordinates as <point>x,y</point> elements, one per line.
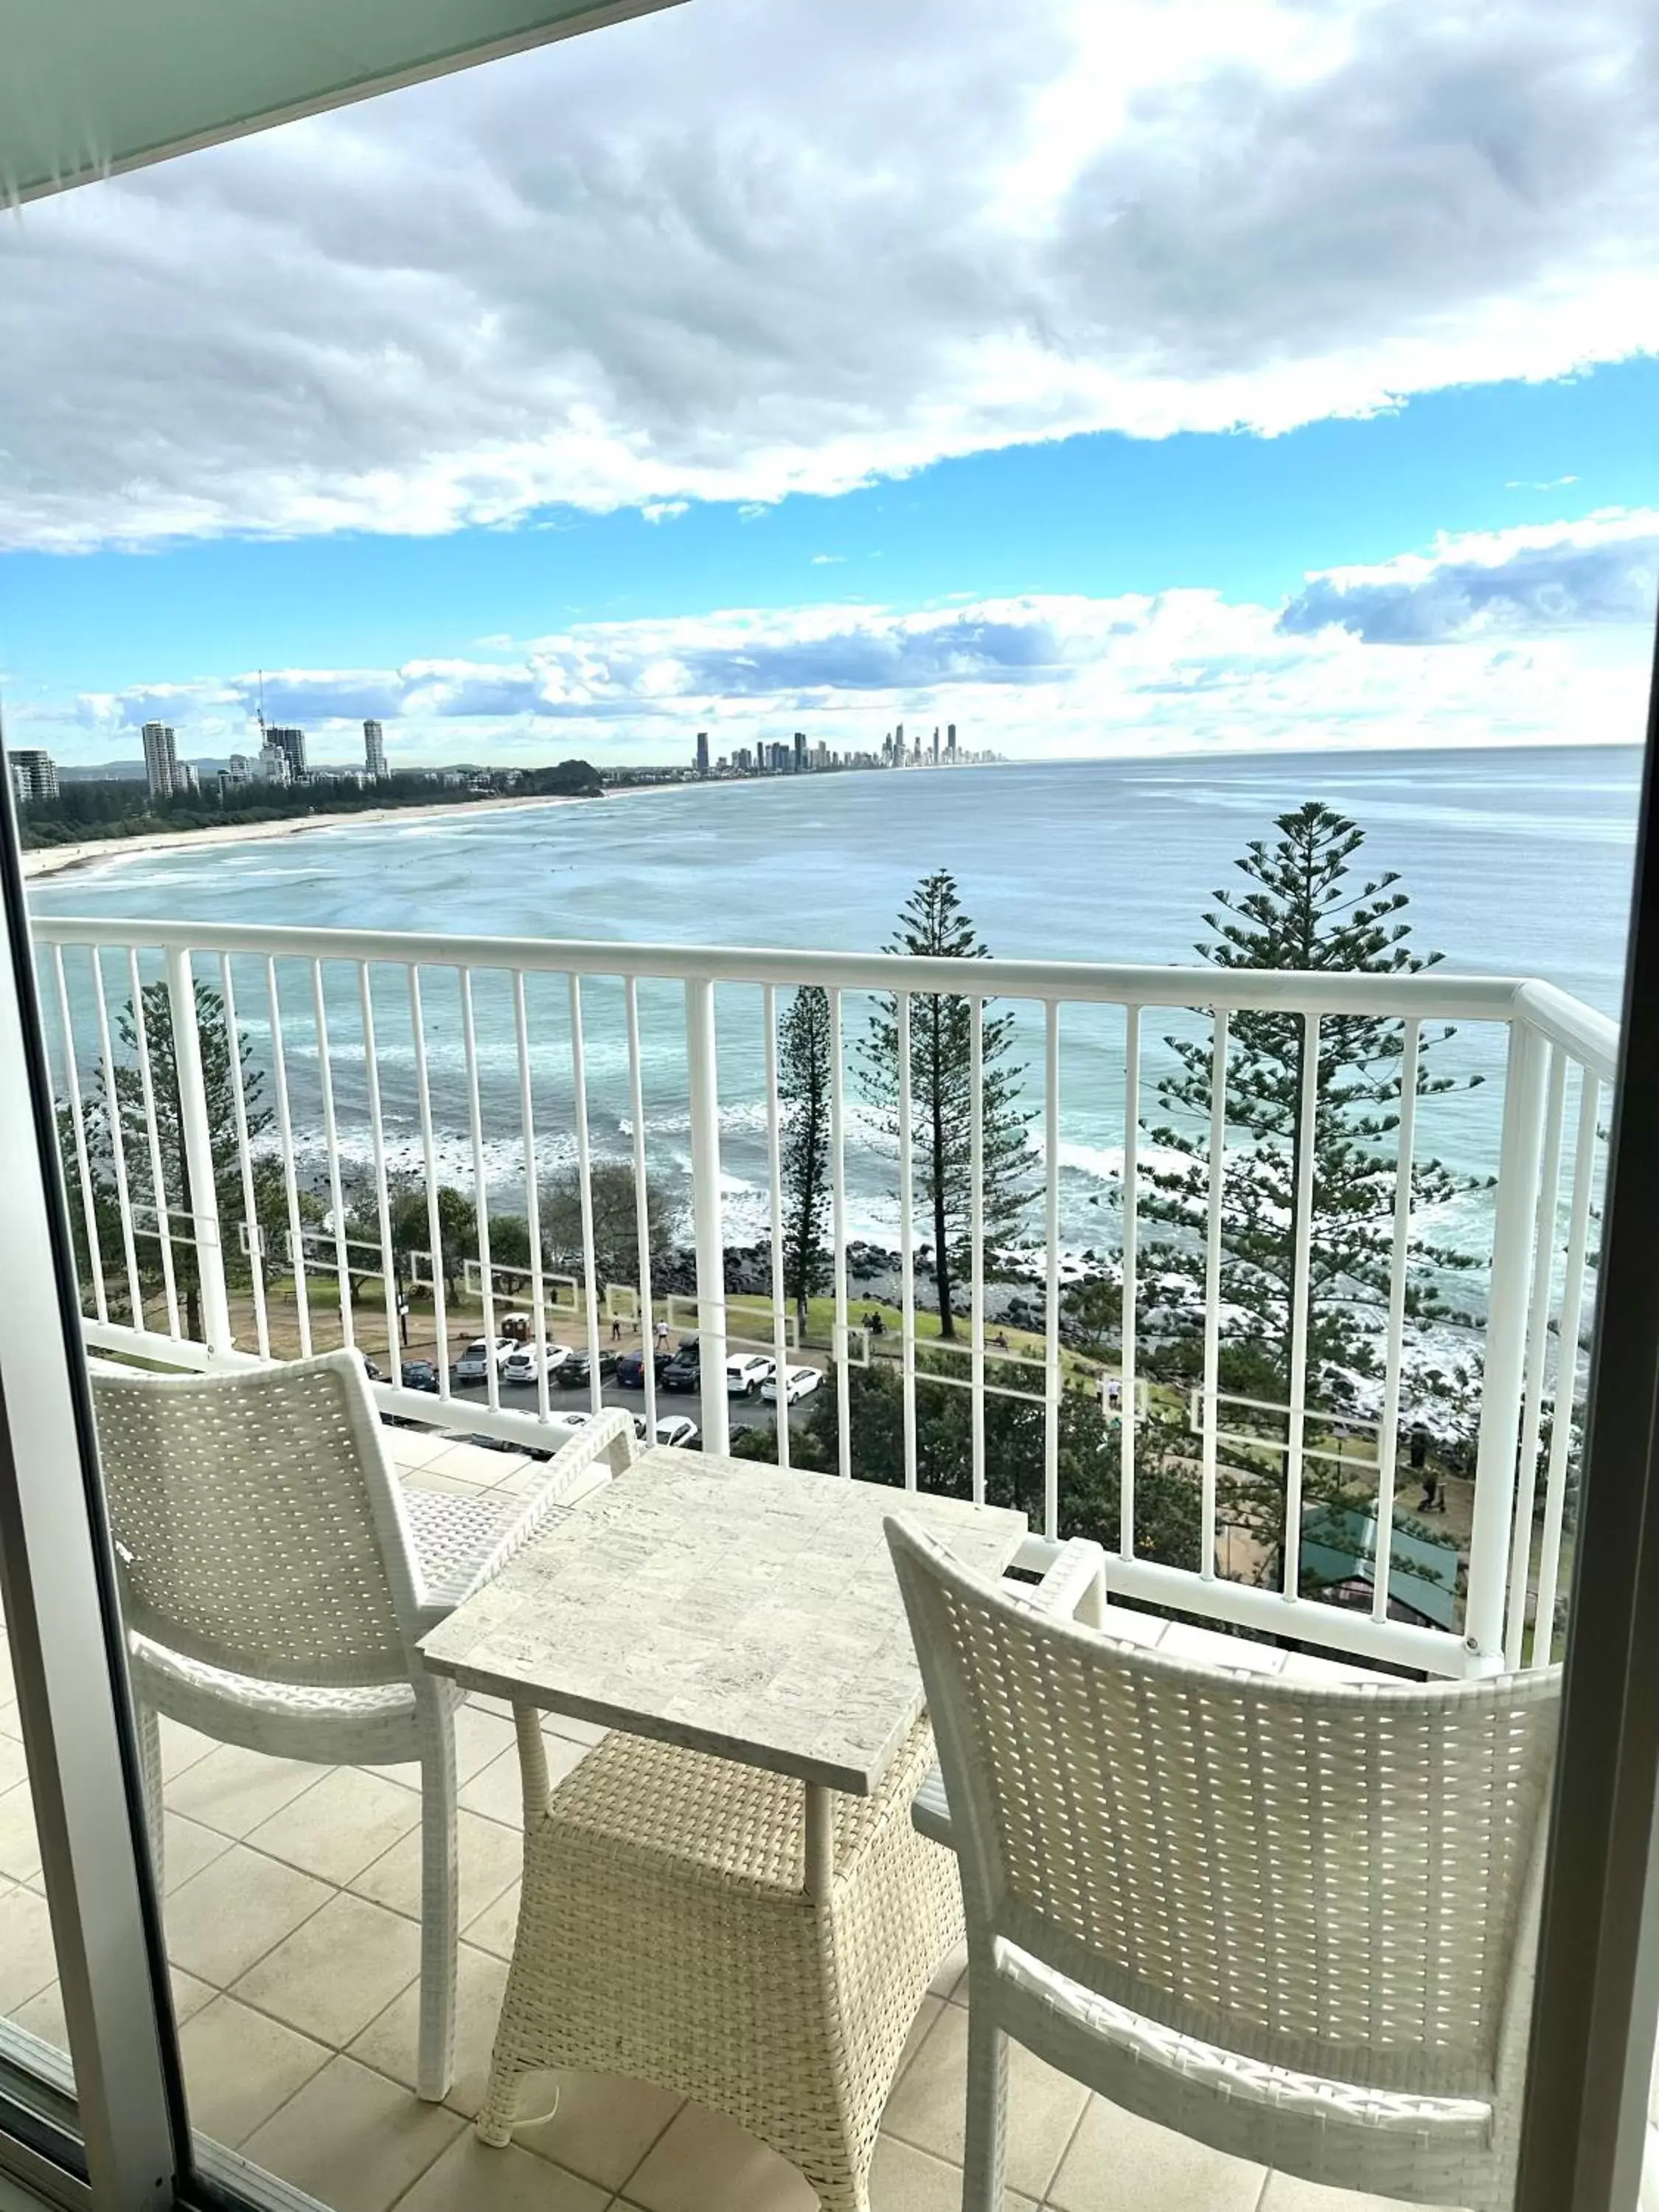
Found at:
<point>1179,447</point>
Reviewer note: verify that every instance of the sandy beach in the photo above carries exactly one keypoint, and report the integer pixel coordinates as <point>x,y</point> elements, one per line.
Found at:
<point>56,859</point>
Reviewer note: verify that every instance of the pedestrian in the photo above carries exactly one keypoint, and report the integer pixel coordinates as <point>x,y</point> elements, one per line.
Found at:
<point>616,1329</point>
<point>1431,1501</point>
<point>662,1336</point>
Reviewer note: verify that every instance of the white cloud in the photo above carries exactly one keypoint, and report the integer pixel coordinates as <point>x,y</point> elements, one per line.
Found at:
<point>754,246</point>
<point>1535,579</point>
<point>1532,635</point>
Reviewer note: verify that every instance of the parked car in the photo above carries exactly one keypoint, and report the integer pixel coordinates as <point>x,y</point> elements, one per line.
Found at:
<point>580,1421</point>
<point>684,1371</point>
<point>473,1366</point>
<point>576,1367</point>
<point>525,1361</point>
<point>745,1373</point>
<point>631,1368</point>
<point>676,1430</point>
<point>798,1382</point>
<point>420,1375</point>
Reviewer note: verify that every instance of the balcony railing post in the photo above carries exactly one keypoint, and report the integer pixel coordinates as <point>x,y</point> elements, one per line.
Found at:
<point>1504,1373</point>
<point>702,1065</point>
<point>196,1142</point>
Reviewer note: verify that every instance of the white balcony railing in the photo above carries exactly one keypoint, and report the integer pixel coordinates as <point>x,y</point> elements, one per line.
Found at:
<point>477,1061</point>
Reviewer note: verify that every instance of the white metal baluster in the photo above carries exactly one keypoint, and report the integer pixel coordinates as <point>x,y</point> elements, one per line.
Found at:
<point>907,1243</point>
<point>245,1161</point>
<point>285,1138</point>
<point>196,1162</point>
<point>702,1069</point>
<point>1538,1337</point>
<point>1212,1295</point>
<point>774,1169</point>
<point>480,1191</point>
<point>429,1160</point>
<point>332,1147</point>
<point>1566,1370</point>
<point>382,1199</point>
<point>1126,1429</point>
<point>77,1125</point>
<point>838,1221</point>
<point>977,1235</point>
<point>533,1204</point>
<point>117,1142</point>
<point>585,1183</point>
<point>1387,1443</point>
<point>1051,1389</point>
<point>1506,1331</point>
<point>153,1141</point>
<point>1296,1428</point>
<point>641,1205</point>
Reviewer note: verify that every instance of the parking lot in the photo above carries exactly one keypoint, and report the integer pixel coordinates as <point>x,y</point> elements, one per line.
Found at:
<point>742,1413</point>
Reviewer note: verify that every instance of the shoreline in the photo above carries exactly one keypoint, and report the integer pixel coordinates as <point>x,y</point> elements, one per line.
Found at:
<point>46,860</point>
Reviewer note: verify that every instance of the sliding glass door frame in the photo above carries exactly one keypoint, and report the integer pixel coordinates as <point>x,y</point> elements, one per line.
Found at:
<point>62,1623</point>
<point>1589,2078</point>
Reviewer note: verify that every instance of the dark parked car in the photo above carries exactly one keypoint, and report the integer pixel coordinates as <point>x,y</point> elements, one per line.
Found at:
<point>575,1368</point>
<point>631,1368</point>
<point>420,1375</point>
<point>684,1371</point>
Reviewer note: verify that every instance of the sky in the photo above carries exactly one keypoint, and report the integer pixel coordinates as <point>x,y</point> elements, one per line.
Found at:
<point>1167,376</point>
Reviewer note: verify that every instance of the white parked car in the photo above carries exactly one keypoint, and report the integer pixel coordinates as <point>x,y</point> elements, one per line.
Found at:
<point>525,1362</point>
<point>798,1382</point>
<point>580,1421</point>
<point>473,1366</point>
<point>676,1430</point>
<point>745,1373</point>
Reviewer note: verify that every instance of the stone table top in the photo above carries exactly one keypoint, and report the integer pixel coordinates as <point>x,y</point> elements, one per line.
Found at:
<point>724,1605</point>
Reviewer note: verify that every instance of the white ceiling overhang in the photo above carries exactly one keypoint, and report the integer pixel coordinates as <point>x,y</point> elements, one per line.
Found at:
<point>90,88</point>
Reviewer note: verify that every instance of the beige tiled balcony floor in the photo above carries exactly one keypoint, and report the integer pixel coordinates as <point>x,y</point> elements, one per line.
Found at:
<point>292,1904</point>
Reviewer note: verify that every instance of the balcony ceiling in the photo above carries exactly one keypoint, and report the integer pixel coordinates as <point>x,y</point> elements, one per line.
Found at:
<point>90,88</point>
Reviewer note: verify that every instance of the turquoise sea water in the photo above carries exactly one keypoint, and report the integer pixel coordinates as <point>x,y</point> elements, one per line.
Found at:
<point>1517,862</point>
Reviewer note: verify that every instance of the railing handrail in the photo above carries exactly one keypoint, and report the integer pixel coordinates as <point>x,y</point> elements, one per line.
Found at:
<point>1587,1035</point>
<point>1433,994</point>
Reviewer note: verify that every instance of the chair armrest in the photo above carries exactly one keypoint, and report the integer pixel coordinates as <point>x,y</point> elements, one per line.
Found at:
<point>1072,1588</point>
<point>609,1438</point>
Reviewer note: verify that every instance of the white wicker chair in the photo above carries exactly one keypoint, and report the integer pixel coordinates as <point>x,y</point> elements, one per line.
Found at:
<point>275,1576</point>
<point>1294,1920</point>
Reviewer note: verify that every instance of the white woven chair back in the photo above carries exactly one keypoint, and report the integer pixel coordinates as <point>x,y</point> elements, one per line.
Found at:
<point>1335,1879</point>
<point>257,1526</point>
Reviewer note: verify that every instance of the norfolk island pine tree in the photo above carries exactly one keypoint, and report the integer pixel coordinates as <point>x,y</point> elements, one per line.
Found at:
<point>1304,909</point>
<point>933,923</point>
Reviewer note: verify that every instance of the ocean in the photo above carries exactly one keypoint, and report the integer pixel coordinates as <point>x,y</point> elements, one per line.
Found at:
<point>1517,862</point>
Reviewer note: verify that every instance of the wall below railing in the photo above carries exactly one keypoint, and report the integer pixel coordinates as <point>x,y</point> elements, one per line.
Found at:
<point>209,1236</point>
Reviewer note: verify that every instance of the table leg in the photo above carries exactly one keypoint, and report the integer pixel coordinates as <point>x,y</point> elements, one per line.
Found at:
<point>532,1764</point>
<point>820,1841</point>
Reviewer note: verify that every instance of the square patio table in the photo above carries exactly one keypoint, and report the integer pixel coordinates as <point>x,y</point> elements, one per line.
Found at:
<point>725,1606</point>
